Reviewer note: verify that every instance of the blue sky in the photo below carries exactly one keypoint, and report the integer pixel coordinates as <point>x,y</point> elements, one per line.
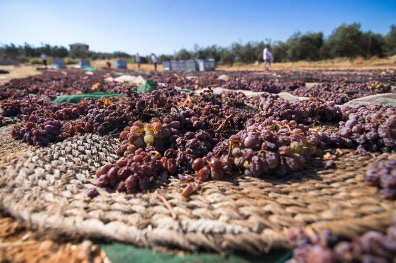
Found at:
<point>166,26</point>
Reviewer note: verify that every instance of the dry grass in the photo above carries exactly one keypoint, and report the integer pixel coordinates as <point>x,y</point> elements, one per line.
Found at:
<point>20,71</point>
<point>338,64</point>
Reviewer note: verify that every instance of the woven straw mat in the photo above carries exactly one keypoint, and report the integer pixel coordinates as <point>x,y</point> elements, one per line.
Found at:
<point>46,189</point>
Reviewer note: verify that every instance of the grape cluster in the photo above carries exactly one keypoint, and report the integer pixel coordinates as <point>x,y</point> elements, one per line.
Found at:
<point>305,111</point>
<point>10,108</point>
<point>383,174</point>
<point>67,113</point>
<point>135,172</point>
<point>259,84</point>
<point>265,148</point>
<point>341,92</point>
<point>91,115</point>
<point>155,135</point>
<point>373,246</point>
<point>175,152</point>
<point>39,131</point>
<point>188,147</point>
<point>368,128</point>
<point>4,121</point>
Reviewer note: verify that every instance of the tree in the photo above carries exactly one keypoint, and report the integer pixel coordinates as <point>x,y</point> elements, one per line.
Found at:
<point>373,44</point>
<point>236,50</point>
<point>183,54</point>
<point>11,51</point>
<point>305,47</point>
<point>279,51</point>
<point>198,52</point>
<point>163,58</point>
<point>390,41</point>
<point>30,51</point>
<point>120,54</point>
<point>248,53</point>
<point>346,41</point>
<point>226,57</point>
<point>212,51</point>
<point>45,48</point>
<point>59,52</point>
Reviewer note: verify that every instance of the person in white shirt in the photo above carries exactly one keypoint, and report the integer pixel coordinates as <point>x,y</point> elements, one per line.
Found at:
<point>154,59</point>
<point>137,57</point>
<point>44,59</point>
<point>268,58</point>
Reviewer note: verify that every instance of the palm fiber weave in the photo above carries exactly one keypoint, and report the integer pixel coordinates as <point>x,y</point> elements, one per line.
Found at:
<point>46,189</point>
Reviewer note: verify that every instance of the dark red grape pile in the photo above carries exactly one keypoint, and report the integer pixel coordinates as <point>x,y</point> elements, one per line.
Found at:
<point>260,149</point>
<point>200,137</point>
<point>135,172</point>
<point>258,84</point>
<point>174,151</point>
<point>304,111</point>
<point>53,84</point>
<point>373,246</point>
<point>39,131</point>
<point>341,93</point>
<point>383,175</point>
<point>369,128</point>
<point>269,147</point>
<point>5,121</point>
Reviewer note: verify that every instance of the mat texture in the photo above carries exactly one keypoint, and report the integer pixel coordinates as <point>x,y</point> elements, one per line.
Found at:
<point>46,189</point>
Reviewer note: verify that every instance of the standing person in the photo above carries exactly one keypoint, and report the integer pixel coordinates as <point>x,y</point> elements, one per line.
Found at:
<point>137,58</point>
<point>268,58</point>
<point>154,59</point>
<point>44,59</point>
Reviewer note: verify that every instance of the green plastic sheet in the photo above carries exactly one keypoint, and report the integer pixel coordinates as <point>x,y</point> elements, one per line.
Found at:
<point>78,97</point>
<point>148,86</point>
<point>122,253</point>
<point>91,68</point>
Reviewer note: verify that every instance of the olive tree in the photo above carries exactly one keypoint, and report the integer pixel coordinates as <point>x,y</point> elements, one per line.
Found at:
<point>346,41</point>
<point>390,41</point>
<point>305,47</point>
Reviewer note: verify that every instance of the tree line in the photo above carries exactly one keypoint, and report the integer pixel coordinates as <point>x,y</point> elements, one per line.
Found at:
<point>345,41</point>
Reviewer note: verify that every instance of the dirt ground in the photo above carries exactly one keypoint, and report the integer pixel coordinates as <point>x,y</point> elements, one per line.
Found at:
<point>18,244</point>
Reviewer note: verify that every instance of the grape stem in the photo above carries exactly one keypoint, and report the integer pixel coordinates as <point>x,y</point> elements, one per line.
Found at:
<point>167,205</point>
<point>153,154</point>
<point>231,146</point>
<point>224,123</point>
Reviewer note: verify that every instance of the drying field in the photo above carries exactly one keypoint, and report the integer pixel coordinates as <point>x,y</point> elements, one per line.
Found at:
<point>218,161</point>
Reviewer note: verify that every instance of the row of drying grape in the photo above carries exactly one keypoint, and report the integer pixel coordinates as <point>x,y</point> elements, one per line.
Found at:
<point>373,246</point>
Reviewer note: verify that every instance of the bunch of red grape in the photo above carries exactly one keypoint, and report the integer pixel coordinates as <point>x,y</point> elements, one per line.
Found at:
<point>4,121</point>
<point>265,148</point>
<point>67,113</point>
<point>371,128</point>
<point>341,93</point>
<point>373,246</point>
<point>383,174</point>
<point>135,172</point>
<point>38,131</point>
<point>164,137</point>
<point>155,134</point>
<point>305,111</point>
